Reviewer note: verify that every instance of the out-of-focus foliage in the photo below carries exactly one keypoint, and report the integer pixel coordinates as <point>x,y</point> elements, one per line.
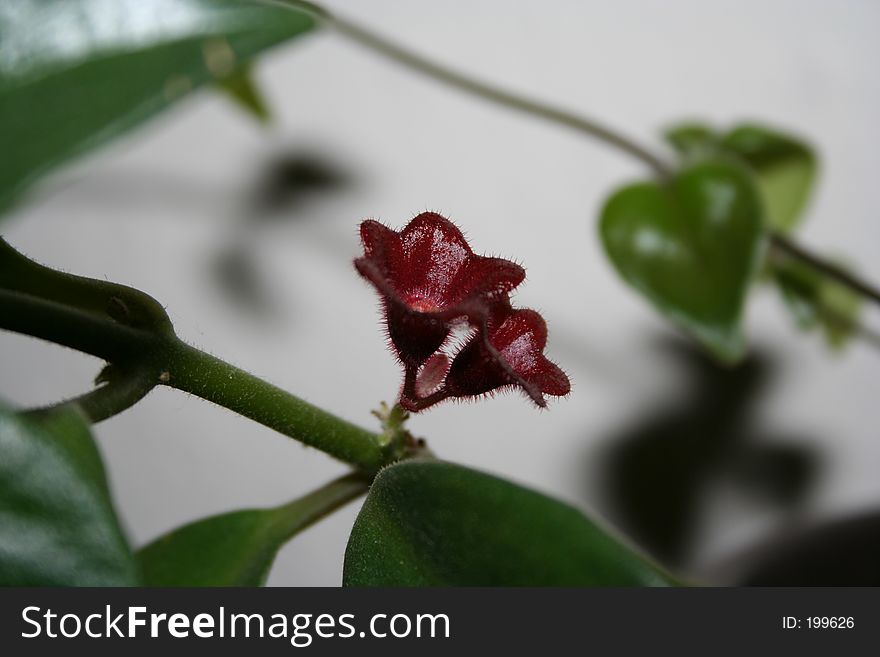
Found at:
<point>816,301</point>
<point>238,548</point>
<point>243,89</point>
<point>58,524</point>
<point>691,247</point>
<point>785,166</point>
<point>75,73</point>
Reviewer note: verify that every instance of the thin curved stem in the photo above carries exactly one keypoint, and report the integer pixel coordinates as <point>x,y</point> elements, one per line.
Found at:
<point>582,124</point>
<point>122,391</point>
<point>305,511</point>
<point>534,107</point>
<point>785,245</point>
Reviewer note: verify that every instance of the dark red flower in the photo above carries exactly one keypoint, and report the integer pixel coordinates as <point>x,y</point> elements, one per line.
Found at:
<point>428,278</point>
<point>432,283</point>
<point>509,352</point>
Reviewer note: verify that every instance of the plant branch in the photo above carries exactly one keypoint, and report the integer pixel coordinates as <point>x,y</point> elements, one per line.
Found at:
<point>196,372</point>
<point>71,327</point>
<point>785,245</point>
<point>553,114</point>
<point>120,391</point>
<point>584,125</point>
<point>305,511</point>
<point>129,330</point>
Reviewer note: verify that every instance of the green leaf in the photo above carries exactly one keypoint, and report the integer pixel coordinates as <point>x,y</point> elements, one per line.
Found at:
<point>428,523</point>
<point>238,548</point>
<point>692,248</point>
<point>241,88</point>
<point>816,301</point>
<point>57,524</point>
<point>76,73</point>
<point>784,165</point>
<point>691,138</point>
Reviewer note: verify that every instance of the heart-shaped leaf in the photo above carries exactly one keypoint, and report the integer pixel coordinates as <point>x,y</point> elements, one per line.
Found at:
<point>57,524</point>
<point>785,168</point>
<point>238,548</point>
<point>75,73</point>
<point>691,139</point>
<point>427,523</point>
<point>691,247</point>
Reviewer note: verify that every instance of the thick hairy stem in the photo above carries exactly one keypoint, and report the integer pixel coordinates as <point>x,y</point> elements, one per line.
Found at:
<point>210,378</point>
<point>129,330</point>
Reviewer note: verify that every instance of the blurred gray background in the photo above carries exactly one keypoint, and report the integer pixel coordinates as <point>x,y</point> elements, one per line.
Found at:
<point>247,234</point>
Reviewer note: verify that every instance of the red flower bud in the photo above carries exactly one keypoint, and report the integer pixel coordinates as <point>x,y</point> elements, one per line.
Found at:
<point>431,282</point>
<point>509,353</point>
<point>428,278</point>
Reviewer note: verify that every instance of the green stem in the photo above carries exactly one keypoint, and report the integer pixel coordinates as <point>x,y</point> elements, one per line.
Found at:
<point>129,330</point>
<point>119,393</point>
<point>582,124</point>
<point>786,246</point>
<point>71,327</point>
<point>210,378</point>
<point>305,511</point>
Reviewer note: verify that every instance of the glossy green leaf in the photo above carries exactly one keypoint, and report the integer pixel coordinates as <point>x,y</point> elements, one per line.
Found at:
<point>75,73</point>
<point>427,523</point>
<point>691,138</point>
<point>816,301</point>
<point>691,247</point>
<point>785,168</point>
<point>243,90</point>
<point>238,548</point>
<point>57,524</point>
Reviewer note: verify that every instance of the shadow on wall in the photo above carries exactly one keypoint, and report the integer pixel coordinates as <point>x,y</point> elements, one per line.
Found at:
<point>657,474</point>
<point>842,552</point>
<point>285,186</point>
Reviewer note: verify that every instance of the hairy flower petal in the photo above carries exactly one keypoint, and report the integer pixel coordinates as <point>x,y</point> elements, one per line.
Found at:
<point>509,353</point>
<point>428,276</point>
<point>433,286</point>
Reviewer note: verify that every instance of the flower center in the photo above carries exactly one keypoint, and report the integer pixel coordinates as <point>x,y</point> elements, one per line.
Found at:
<point>421,304</point>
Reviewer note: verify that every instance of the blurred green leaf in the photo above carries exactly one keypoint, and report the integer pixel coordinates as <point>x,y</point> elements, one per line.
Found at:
<point>238,548</point>
<point>241,87</point>
<point>691,138</point>
<point>438,524</point>
<point>692,248</point>
<point>57,524</point>
<point>75,73</point>
<point>784,165</point>
<point>816,301</point>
